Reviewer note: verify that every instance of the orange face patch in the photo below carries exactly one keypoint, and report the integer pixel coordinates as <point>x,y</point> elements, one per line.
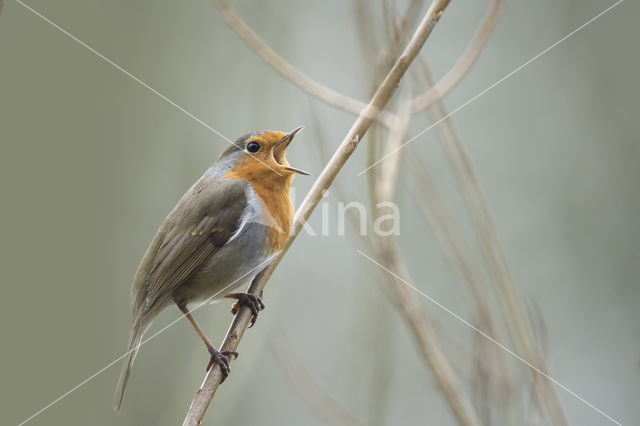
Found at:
<point>272,152</point>
<point>268,139</point>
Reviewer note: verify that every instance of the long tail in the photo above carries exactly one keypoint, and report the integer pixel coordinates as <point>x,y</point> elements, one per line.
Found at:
<point>132,349</point>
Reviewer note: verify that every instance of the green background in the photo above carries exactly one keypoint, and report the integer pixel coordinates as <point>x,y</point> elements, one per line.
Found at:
<point>91,162</point>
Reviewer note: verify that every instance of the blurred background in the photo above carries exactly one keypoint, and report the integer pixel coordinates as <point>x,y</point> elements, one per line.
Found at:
<point>91,162</point>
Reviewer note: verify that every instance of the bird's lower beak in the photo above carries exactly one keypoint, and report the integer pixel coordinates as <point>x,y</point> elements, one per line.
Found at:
<point>280,148</point>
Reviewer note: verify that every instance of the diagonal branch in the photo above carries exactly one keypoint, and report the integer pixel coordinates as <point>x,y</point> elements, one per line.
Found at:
<point>205,394</point>
<point>491,376</point>
<point>487,235</point>
<point>466,61</point>
<point>422,328</point>
<point>408,303</point>
<point>288,71</point>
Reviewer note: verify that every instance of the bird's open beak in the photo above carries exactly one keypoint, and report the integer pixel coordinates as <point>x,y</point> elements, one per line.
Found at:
<point>280,148</point>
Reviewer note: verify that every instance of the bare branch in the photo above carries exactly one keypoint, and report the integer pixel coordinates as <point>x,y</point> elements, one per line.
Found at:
<point>422,328</point>
<point>466,61</point>
<point>491,372</point>
<point>340,193</point>
<point>407,301</point>
<point>285,69</point>
<point>382,184</point>
<point>212,380</point>
<point>386,179</point>
<point>508,293</point>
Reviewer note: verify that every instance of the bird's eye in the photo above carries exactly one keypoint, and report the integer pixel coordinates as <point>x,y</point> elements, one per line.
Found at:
<point>253,147</point>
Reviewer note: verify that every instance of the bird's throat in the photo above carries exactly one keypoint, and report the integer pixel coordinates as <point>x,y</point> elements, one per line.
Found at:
<point>273,194</point>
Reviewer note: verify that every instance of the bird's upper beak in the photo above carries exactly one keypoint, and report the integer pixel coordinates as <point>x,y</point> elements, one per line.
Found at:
<point>279,150</point>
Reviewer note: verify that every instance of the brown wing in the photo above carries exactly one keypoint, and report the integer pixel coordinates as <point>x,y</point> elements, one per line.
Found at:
<point>203,221</point>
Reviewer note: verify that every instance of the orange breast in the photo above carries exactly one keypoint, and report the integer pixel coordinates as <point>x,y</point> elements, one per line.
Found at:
<point>273,192</point>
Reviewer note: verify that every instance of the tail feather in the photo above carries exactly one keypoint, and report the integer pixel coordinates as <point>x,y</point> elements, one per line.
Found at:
<point>135,339</point>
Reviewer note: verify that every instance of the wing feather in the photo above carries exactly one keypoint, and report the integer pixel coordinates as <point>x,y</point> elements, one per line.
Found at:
<point>202,222</point>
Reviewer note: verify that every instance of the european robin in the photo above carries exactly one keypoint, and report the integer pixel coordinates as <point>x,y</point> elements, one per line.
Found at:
<point>227,228</point>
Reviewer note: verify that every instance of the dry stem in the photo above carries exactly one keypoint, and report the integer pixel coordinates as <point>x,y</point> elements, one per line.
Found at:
<point>421,326</point>
<point>387,176</point>
<point>492,375</point>
<point>206,392</point>
<point>407,301</point>
<point>466,61</point>
<point>508,292</point>
<point>382,184</point>
<point>288,71</point>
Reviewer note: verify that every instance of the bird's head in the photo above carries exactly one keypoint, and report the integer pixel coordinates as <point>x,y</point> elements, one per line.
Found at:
<point>261,155</point>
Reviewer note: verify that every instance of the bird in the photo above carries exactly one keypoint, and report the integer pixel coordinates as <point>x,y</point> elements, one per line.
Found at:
<point>229,226</point>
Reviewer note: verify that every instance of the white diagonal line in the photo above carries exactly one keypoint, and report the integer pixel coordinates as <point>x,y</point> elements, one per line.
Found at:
<point>127,73</point>
<point>390,153</point>
<point>500,345</point>
<point>97,373</point>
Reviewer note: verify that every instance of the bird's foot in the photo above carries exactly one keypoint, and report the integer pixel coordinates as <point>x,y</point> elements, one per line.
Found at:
<point>252,301</point>
<point>222,359</point>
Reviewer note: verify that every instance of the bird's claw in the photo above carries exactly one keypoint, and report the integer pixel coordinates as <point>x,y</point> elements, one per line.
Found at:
<point>222,359</point>
<point>253,302</point>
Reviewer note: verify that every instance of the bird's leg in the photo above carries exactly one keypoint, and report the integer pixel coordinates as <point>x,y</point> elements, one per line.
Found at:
<point>252,301</point>
<point>218,357</point>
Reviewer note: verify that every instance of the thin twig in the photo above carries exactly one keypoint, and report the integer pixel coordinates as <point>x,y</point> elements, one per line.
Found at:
<point>422,328</point>
<point>387,176</point>
<point>382,184</point>
<point>508,293</point>
<point>339,192</point>
<point>379,327</point>
<point>419,322</point>
<point>466,61</point>
<point>212,380</point>
<point>491,372</point>
<point>296,77</point>
<point>407,301</point>
<point>383,330</point>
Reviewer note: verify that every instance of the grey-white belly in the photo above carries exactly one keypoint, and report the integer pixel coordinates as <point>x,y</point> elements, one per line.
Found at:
<point>231,266</point>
